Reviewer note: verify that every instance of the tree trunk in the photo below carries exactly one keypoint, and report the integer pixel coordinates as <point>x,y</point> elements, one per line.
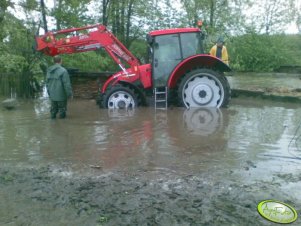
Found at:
<point>44,16</point>
<point>122,22</point>
<point>212,11</point>
<point>113,18</point>
<point>58,14</point>
<point>117,15</point>
<point>105,5</point>
<point>128,24</point>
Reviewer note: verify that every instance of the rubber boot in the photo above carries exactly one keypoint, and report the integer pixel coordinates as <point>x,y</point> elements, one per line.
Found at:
<point>62,114</point>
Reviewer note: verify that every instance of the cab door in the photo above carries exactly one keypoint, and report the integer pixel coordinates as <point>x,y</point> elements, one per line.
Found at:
<point>166,55</point>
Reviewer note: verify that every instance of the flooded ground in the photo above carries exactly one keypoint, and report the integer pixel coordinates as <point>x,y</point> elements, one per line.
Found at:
<point>147,167</point>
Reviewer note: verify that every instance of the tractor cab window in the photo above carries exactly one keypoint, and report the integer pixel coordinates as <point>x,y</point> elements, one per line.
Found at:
<point>191,44</point>
<point>166,55</point>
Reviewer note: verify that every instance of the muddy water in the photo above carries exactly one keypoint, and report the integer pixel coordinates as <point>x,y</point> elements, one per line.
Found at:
<point>181,167</point>
<point>177,139</point>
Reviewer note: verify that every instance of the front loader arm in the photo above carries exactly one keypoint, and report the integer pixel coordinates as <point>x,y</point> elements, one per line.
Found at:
<point>92,37</point>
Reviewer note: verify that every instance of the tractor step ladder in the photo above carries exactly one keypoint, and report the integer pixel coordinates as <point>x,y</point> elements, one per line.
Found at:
<point>161,97</point>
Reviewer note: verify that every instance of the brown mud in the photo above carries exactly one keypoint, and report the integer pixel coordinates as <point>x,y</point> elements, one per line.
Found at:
<point>50,195</point>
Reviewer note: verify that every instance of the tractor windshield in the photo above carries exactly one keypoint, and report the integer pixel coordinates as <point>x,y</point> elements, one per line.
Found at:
<point>171,49</point>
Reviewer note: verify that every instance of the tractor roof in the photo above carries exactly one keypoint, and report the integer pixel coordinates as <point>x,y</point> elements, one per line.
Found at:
<point>173,31</point>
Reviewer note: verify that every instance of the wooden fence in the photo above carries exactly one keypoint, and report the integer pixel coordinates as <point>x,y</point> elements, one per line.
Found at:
<point>17,85</point>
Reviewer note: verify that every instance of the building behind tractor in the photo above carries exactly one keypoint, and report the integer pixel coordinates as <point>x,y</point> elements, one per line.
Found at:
<point>179,71</point>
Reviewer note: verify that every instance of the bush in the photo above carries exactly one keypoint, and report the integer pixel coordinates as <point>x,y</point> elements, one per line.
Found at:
<point>254,52</point>
<point>12,63</point>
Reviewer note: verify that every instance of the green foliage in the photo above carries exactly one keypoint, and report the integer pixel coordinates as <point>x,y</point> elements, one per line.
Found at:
<point>12,63</point>
<point>71,13</point>
<point>90,62</point>
<point>14,46</point>
<point>19,64</point>
<point>254,52</point>
<point>18,39</point>
<point>29,4</point>
<point>139,49</point>
<point>293,46</point>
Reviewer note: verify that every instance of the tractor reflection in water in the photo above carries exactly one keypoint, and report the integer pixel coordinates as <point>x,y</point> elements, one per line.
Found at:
<point>161,138</point>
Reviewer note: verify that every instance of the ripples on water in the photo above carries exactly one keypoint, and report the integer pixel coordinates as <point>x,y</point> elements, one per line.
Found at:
<point>176,139</point>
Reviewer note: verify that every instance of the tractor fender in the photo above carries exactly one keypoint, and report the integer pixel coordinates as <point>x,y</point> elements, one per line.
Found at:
<point>109,81</point>
<point>113,81</point>
<point>130,76</point>
<point>194,62</point>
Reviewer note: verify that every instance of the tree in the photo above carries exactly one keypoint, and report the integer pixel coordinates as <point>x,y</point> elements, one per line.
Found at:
<point>4,4</point>
<point>223,17</point>
<point>271,17</point>
<point>70,13</point>
<point>120,18</point>
<point>298,17</point>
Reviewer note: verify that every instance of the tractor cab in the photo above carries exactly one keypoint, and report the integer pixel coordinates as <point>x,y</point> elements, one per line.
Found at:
<point>169,48</point>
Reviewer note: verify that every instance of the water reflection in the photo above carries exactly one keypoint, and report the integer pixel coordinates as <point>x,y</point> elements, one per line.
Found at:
<point>169,139</point>
<point>121,114</point>
<point>203,121</point>
<point>176,139</point>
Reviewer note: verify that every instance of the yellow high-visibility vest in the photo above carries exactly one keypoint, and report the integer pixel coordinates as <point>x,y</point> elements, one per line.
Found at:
<point>225,57</point>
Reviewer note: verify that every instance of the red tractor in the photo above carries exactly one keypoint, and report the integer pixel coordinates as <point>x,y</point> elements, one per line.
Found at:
<point>178,71</point>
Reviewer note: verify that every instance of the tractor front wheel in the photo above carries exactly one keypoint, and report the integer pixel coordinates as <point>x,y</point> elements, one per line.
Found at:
<point>204,88</point>
<point>119,97</point>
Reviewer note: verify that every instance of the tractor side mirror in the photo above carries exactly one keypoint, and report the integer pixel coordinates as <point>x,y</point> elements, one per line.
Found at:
<point>149,39</point>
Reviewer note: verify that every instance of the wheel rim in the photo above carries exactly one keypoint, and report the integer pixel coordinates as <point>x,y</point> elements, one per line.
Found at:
<point>203,90</point>
<point>121,100</point>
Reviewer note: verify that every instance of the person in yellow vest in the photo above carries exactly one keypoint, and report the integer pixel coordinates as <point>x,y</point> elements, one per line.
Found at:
<point>219,50</point>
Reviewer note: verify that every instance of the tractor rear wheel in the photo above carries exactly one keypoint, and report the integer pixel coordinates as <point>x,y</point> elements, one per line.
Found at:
<point>119,97</point>
<point>204,88</point>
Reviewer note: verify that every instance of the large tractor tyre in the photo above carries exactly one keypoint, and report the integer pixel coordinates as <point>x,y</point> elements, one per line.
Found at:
<point>99,99</point>
<point>119,97</point>
<point>204,88</point>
